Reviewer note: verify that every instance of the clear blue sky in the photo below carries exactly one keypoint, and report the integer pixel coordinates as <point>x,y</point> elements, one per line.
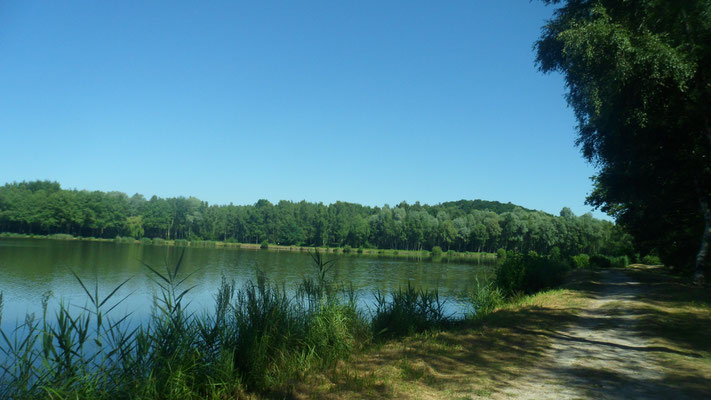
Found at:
<point>367,102</point>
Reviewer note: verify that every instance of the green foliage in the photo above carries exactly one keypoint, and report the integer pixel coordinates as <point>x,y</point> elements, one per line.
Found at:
<point>347,249</point>
<point>181,242</point>
<point>158,241</point>
<point>529,274</point>
<point>500,254</point>
<point>146,240</point>
<point>436,251</point>
<point>637,80</point>
<point>651,260</point>
<point>581,261</point>
<point>619,262</point>
<point>264,245</point>
<point>463,226</point>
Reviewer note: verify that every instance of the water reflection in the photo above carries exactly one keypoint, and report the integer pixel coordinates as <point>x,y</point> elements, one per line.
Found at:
<point>31,267</point>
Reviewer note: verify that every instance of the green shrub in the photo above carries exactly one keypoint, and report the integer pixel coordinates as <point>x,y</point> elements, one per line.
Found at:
<point>157,240</point>
<point>529,274</point>
<point>500,253</point>
<point>360,250</point>
<point>620,262</point>
<point>651,260</point>
<point>436,251</point>
<point>600,261</point>
<point>180,242</point>
<point>347,249</point>
<point>581,261</point>
<point>145,240</point>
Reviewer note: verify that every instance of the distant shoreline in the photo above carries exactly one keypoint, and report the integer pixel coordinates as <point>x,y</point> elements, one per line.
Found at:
<point>449,255</point>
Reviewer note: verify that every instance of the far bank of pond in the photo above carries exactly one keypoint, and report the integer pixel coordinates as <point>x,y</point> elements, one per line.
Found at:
<point>476,257</point>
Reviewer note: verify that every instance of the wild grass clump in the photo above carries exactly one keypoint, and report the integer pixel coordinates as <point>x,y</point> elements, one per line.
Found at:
<point>651,260</point>
<point>484,299</point>
<point>61,236</point>
<point>407,311</point>
<point>158,241</point>
<point>619,262</point>
<point>529,273</point>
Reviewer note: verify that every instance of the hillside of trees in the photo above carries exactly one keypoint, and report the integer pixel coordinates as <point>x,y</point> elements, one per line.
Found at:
<point>43,207</point>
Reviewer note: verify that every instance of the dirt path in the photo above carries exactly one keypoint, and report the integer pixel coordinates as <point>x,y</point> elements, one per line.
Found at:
<point>601,356</point>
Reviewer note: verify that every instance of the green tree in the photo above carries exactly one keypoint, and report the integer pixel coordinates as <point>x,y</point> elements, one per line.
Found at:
<point>637,74</point>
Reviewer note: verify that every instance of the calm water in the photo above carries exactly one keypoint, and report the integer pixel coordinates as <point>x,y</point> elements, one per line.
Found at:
<point>30,268</point>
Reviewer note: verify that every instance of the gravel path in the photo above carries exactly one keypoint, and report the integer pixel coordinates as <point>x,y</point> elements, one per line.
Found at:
<point>601,356</point>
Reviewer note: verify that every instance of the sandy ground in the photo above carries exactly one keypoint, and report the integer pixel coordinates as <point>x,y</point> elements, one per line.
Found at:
<point>601,356</point>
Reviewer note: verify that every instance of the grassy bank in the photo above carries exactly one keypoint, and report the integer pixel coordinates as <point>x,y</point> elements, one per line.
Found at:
<point>409,254</point>
<point>468,359</point>
<point>479,357</point>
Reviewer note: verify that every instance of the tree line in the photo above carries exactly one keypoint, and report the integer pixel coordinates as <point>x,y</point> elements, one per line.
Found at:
<point>43,207</point>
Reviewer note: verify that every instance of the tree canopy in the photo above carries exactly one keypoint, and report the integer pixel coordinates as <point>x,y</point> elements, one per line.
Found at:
<point>465,225</point>
<point>638,78</point>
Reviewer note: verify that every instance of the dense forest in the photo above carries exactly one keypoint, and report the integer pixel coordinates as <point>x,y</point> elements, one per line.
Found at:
<point>43,207</point>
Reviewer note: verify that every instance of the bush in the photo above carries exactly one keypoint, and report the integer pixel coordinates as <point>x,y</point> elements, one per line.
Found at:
<point>264,245</point>
<point>600,261</point>
<point>581,261</point>
<point>347,249</point>
<point>145,240</point>
<point>651,260</point>
<point>620,262</point>
<point>157,240</point>
<point>180,242</point>
<point>500,253</point>
<point>436,251</point>
<point>529,274</point>
<point>360,250</point>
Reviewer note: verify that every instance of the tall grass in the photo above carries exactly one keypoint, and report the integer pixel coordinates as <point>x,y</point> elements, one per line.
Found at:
<point>407,311</point>
<point>256,338</point>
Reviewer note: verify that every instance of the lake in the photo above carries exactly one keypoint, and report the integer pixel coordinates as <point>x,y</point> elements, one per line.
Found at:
<point>29,268</point>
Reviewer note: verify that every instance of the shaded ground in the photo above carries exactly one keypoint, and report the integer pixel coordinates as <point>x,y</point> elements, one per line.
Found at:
<point>613,334</point>
<point>603,354</point>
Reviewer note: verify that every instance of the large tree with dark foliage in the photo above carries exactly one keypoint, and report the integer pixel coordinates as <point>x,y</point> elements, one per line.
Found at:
<point>638,77</point>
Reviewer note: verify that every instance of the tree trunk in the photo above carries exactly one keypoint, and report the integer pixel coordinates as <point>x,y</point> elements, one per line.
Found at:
<point>699,277</point>
<point>705,242</point>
